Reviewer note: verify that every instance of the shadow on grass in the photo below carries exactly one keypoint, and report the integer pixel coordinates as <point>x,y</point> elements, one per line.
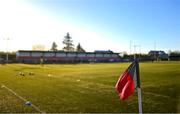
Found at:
<point>161,99</point>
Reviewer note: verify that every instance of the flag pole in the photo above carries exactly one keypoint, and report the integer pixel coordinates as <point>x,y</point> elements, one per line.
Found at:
<point>138,85</point>
<point>139,100</point>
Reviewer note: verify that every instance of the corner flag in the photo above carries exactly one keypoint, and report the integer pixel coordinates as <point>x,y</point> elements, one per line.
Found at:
<point>128,81</point>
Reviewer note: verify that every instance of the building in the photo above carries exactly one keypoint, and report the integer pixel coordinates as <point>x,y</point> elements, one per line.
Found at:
<point>158,55</point>
<point>26,56</point>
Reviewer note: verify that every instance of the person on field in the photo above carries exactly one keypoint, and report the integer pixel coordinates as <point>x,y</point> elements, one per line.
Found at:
<point>41,61</point>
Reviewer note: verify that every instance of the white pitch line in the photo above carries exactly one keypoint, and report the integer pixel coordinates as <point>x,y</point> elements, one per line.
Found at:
<point>10,90</point>
<point>155,94</point>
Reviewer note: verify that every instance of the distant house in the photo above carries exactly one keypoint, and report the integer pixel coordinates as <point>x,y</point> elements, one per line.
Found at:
<point>158,55</point>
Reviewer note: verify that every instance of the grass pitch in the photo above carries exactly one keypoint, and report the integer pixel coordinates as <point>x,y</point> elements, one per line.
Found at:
<point>89,88</point>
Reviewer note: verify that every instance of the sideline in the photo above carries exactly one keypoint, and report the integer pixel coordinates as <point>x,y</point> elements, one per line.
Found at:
<point>23,99</point>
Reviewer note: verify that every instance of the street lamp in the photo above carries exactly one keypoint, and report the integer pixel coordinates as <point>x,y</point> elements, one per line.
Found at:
<point>135,46</point>
<point>7,58</point>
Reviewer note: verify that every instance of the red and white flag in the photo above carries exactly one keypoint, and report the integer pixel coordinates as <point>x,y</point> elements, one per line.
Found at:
<point>128,81</point>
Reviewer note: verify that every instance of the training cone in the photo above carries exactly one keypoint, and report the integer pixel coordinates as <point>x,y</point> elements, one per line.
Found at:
<point>28,103</point>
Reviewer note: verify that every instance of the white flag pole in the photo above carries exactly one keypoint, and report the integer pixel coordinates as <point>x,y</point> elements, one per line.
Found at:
<point>139,100</point>
<point>138,85</point>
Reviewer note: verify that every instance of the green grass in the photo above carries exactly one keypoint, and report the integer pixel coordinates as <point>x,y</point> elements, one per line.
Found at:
<point>88,88</point>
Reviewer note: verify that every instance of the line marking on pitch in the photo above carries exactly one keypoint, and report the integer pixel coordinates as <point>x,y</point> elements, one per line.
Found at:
<point>23,99</point>
<point>155,94</point>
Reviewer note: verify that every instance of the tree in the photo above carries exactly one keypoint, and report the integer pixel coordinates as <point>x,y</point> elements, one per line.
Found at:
<point>174,55</point>
<point>54,46</point>
<point>69,46</point>
<point>79,48</point>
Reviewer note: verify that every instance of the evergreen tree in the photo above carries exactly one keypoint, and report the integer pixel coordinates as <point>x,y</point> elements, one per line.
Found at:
<point>69,46</point>
<point>54,47</point>
<point>79,48</point>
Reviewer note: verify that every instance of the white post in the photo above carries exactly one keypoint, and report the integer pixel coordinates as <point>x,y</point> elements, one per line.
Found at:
<point>139,100</point>
<point>138,85</point>
<point>7,58</point>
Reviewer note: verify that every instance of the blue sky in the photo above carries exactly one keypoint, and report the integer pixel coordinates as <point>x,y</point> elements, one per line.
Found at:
<point>110,24</point>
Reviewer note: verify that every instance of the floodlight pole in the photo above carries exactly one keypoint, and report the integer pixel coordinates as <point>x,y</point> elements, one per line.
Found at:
<point>130,48</point>
<point>7,57</point>
<point>135,50</point>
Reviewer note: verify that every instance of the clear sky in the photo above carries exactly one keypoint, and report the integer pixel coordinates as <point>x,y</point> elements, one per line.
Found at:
<point>96,24</point>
